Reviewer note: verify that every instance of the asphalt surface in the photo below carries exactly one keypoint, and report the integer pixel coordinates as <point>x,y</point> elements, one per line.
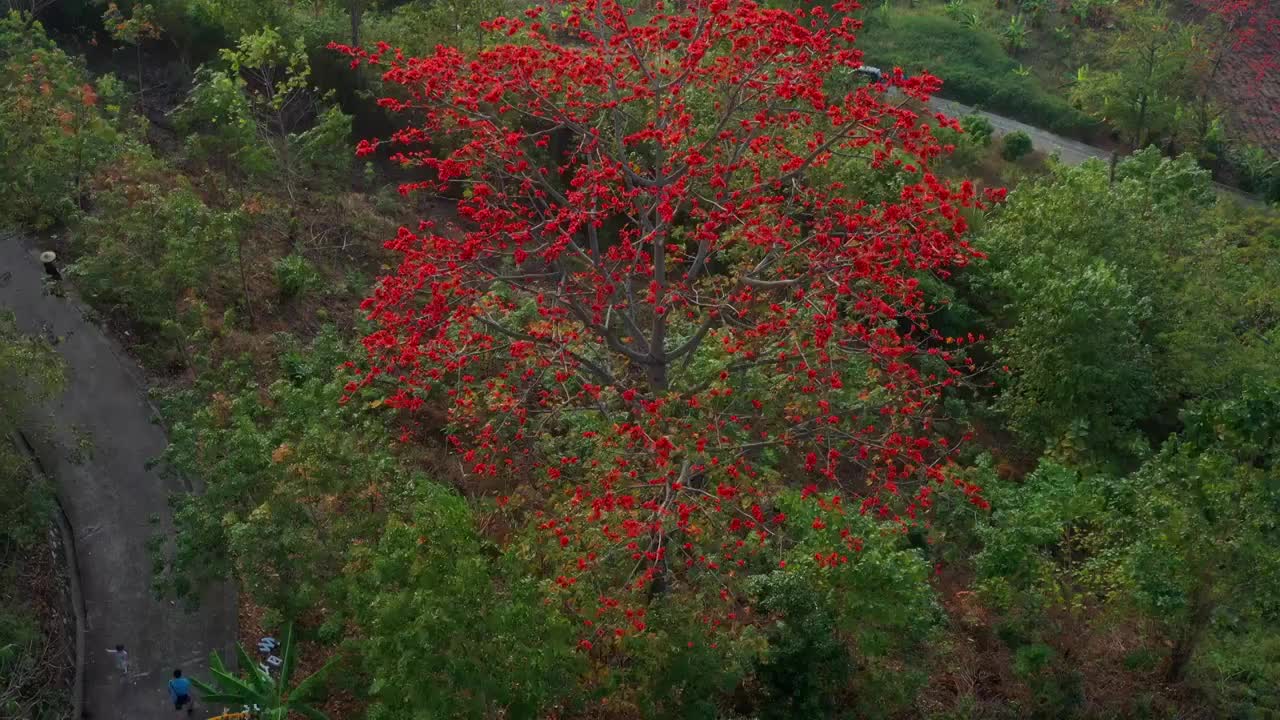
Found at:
<point>96,442</point>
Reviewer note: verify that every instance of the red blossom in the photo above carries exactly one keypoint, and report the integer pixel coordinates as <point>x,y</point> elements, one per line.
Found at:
<point>640,245</point>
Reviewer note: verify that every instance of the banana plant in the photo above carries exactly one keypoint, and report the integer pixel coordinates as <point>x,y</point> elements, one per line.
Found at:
<point>265,697</point>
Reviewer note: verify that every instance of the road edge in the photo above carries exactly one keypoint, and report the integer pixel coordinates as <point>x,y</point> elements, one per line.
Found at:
<point>73,577</point>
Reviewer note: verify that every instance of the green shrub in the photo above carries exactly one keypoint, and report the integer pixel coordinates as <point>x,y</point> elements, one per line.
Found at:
<point>1017,145</point>
<point>151,244</point>
<point>806,659</point>
<point>1030,660</point>
<point>220,126</point>
<point>295,275</point>
<point>977,129</point>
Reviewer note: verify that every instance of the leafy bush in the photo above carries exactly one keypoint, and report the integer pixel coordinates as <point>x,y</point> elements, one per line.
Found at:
<point>1101,333</point>
<point>449,632</point>
<point>295,275</point>
<point>1017,144</point>
<point>275,459</point>
<point>151,243</point>
<point>220,126</point>
<point>806,659</point>
<point>30,372</point>
<point>977,129</point>
<point>325,148</point>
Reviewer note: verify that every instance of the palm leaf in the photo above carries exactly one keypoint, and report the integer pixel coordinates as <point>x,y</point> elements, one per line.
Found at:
<point>308,711</point>
<point>216,697</point>
<point>287,655</point>
<point>307,687</point>
<point>261,681</point>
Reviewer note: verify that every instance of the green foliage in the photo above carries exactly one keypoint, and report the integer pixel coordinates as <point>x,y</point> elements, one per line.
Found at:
<point>1145,77</point>
<point>264,105</point>
<point>52,134</point>
<point>30,373</point>
<point>1190,538</point>
<point>1100,334</point>
<point>1084,11</point>
<point>1260,171</point>
<point>282,66</point>
<point>151,244</point>
<point>1015,146</point>
<point>293,480</point>
<point>974,67</point>
<point>1034,528</point>
<point>878,598</point>
<point>417,27</point>
<point>1102,375</point>
<point>220,127</point>
<point>449,632</point>
<point>1032,659</point>
<point>977,129</point>
<point>1015,34</point>
<point>806,657</point>
<point>133,29</point>
<point>325,149</point>
<point>295,275</point>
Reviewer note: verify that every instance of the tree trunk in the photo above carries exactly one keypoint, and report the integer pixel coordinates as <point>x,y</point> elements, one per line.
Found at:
<point>1140,134</point>
<point>244,282</point>
<point>1184,648</point>
<point>357,12</point>
<point>142,107</point>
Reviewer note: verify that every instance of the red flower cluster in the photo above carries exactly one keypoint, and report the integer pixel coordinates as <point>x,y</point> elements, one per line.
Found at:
<point>660,306</point>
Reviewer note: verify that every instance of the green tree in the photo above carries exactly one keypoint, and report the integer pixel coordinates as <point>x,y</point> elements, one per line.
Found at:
<point>30,373</point>
<point>152,249</point>
<point>293,480</point>
<point>52,132</point>
<point>448,632</point>
<point>1145,75</point>
<point>1105,293</point>
<point>274,75</point>
<point>1015,35</point>
<point>135,29</point>
<point>266,697</point>
<point>1191,538</point>
<point>1080,354</point>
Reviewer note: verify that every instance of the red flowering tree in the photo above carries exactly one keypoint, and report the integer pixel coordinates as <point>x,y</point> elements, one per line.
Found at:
<point>1242,58</point>
<point>659,308</point>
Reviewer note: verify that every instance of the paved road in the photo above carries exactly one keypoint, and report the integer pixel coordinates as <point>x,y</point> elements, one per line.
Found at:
<point>1071,152</point>
<point>95,446</point>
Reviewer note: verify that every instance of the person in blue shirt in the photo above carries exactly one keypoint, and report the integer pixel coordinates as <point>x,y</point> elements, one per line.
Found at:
<point>180,692</point>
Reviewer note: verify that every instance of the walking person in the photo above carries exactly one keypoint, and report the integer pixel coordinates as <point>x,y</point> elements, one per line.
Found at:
<point>48,258</point>
<point>121,659</point>
<point>180,692</point>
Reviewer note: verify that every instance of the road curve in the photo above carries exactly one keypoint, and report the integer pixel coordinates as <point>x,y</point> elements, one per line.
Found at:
<point>95,442</point>
<point>1070,152</point>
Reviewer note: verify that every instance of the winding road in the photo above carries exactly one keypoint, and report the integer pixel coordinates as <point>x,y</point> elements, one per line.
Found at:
<point>97,442</point>
<point>1070,152</point>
